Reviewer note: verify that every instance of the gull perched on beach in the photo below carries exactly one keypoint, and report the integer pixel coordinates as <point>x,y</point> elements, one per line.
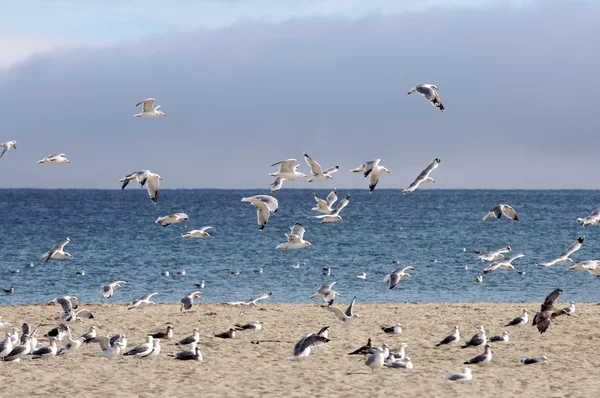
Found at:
<point>191,354</point>
<point>531,361</point>
<point>324,206</point>
<point>89,336</point>
<point>423,178</point>
<point>347,317</point>
<point>505,264</point>
<point>452,338</point>
<point>394,329</point>
<point>374,169</point>
<point>564,257</point>
<point>6,346</point>
<point>364,350</point>
<point>167,334</point>
<point>395,363</point>
<point>287,170</point>
<point>253,301</point>
<point>143,349</point>
<point>483,358</point>
<point>277,184</point>
<point>109,349</point>
<point>592,266</point>
<point>570,309</point>
<point>254,325</point>
<point>478,339</point>
<point>376,360</point>
<point>463,375</point>
<point>19,351</point>
<point>334,215</point>
<point>142,301</point>
<point>144,177</point>
<point>317,173</point>
<point>295,239</point>
<point>6,147</point>
<point>303,346</point>
<point>326,292</point>
<point>548,311</point>
<point>396,276</point>
<point>495,255</point>
<point>497,212</point>
<point>174,218</point>
<point>188,301</point>
<point>229,334</point>
<point>56,158</point>
<point>265,205</point>
<point>45,352</point>
<point>429,91</point>
<point>503,338</point>
<point>592,219</point>
<point>197,233</point>
<point>69,304</point>
<point>71,346</point>
<point>57,251</point>
<point>109,289</point>
<point>149,111</point>
<point>519,321</point>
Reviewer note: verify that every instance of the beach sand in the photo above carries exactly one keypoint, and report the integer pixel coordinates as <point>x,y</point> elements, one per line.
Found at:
<point>238,368</point>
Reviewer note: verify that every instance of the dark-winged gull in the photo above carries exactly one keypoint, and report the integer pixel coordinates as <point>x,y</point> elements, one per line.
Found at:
<point>149,111</point>
<point>88,336</point>
<point>548,311</point>
<point>194,338</point>
<point>452,338</point>
<point>498,211</point>
<point>254,325</point>
<point>167,334</point>
<point>230,334</point>
<point>503,338</point>
<point>19,351</point>
<point>481,359</point>
<point>143,349</point>
<point>45,352</point>
<point>304,345</point>
<point>477,340</point>
<point>564,257</point>
<point>192,354</point>
<point>393,329</point>
<point>364,350</point>
<point>463,375</point>
<point>521,320</point>
<point>531,361</point>
<point>265,205</point>
<point>429,92</point>
<point>424,177</point>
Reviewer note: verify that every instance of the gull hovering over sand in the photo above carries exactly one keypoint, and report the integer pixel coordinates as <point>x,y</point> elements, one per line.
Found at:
<point>295,239</point>
<point>497,212</point>
<point>478,339</point>
<point>144,177</point>
<point>6,147</point>
<point>188,301</point>
<point>277,184</point>
<point>396,276</point>
<point>592,219</point>
<point>252,301</point>
<point>174,218</point>
<point>452,338</point>
<point>505,264</point>
<point>592,266</point>
<point>142,301</point>
<point>483,358</point>
<point>519,321</point>
<point>57,251</point>
<point>287,170</point>
<point>149,111</point>
<point>531,361</point>
<point>347,317</point>
<point>265,205</point>
<point>429,91</point>
<point>304,345</point>
<point>57,158</point>
<point>423,178</point>
<point>564,257</point>
<point>495,255</point>
<point>324,206</point>
<point>548,311</point>
<point>503,338</point>
<point>197,233</point>
<point>109,289</point>
<point>326,292</point>
<point>334,215</point>
<point>374,169</point>
<point>463,375</point>
<point>316,171</point>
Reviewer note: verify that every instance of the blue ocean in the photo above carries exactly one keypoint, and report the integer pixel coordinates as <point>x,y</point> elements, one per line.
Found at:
<point>114,237</point>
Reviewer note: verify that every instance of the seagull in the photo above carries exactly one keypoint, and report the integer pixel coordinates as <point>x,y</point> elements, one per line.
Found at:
<point>19,351</point>
<point>200,285</point>
<point>394,329</point>
<point>396,364</point>
<point>167,334</point>
<point>364,350</point>
<point>334,215</point>
<point>423,178</point>
<point>4,324</point>
<point>277,184</point>
<point>503,338</point>
<point>547,311</point>
<point>71,346</point>
<point>504,264</point>
<point>326,292</point>
<point>530,361</point>
<point>592,219</point>
<point>6,147</point>
<point>520,320</point>
<point>495,255</point>
<point>304,345</point>
<point>376,360</point>
<point>295,239</point>
<point>10,290</point>
<point>230,334</point>
<point>256,325</point>
<point>144,177</point>
<point>57,158</point>
<point>109,289</point>
<point>87,337</point>
<point>397,275</point>
<point>296,266</point>
<point>155,349</point>
<point>478,339</point>
<point>452,338</point>
<point>347,317</point>
<point>429,91</point>
<point>324,206</point>
<point>481,359</point>
<point>193,353</point>
<point>570,309</point>
<point>592,266</point>
<point>372,167</point>
<point>174,218</point>
<point>265,205</point>
<point>6,346</point>
<point>107,349</point>
<point>326,271</point>
<point>165,274</point>
<point>143,349</point>
<point>400,353</point>
<point>57,251</point>
<point>287,170</point>
<point>463,375</point>
<point>564,257</point>
<point>479,278</point>
<point>497,212</point>
<point>193,339</point>
<point>362,276</point>
<point>188,301</point>
<point>67,303</point>
<point>317,173</point>
<point>149,111</point>
<point>45,352</point>
<point>144,300</point>
<point>253,301</point>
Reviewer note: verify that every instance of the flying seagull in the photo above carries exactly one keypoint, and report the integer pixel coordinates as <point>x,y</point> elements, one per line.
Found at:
<point>347,317</point>
<point>334,215</point>
<point>295,239</point>
<point>317,173</point>
<point>326,292</point>
<point>287,170</point>
<point>144,300</point>
<point>547,311</point>
<point>592,266</point>
<point>429,91</point>
<point>109,289</point>
<point>452,338</point>
<point>324,206</point>
<point>174,218</point>
<point>505,264</point>
<point>374,169</point>
<point>396,276</point>
<point>304,345</point>
<point>495,255</point>
<point>149,111</point>
<point>197,233</point>
<point>57,251</point>
<point>6,147</point>
<point>423,178</point>
<point>497,212</point>
<point>564,257</point>
<point>144,177</point>
<point>277,184</point>
<point>265,205</point>
<point>592,219</point>
<point>57,158</point>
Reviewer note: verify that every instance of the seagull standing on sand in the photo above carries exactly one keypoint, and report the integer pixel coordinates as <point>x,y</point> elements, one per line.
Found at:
<point>230,334</point>
<point>6,346</point>
<point>265,205</point>
<point>452,338</point>
<point>317,173</point>
<point>174,218</point>
<point>254,325</point>
<point>149,111</point>
<point>188,301</point>
<point>374,169</point>
<point>193,339</point>
<point>396,276</point>
<point>364,350</point>
<point>304,345</point>
<point>6,147</point>
<point>334,215</point>
<point>429,92</point>
<point>478,339</point>
<point>519,321</point>
<point>143,349</point>
<point>167,334</point>
<point>109,289</point>
<point>423,178</point>
<point>504,264</point>
<point>497,212</point>
<point>324,206</point>
<point>142,301</point>
<point>57,251</point>
<point>483,358</point>
<point>287,170</point>
<point>495,255</point>
<point>463,375</point>
<point>193,353</point>
<point>347,317</point>
<point>570,309</point>
<point>295,239</point>
<point>564,257</point>
<point>592,266</point>
<point>375,360</point>
<point>197,233</point>
<point>45,352</point>
<point>57,158</point>
<point>144,177</point>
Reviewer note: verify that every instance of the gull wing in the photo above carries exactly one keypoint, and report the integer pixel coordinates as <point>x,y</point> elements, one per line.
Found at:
<point>509,212</point>
<point>262,214</point>
<point>297,230</point>
<point>432,166</point>
<point>148,104</point>
<point>339,314</point>
<point>573,248</point>
<point>6,148</point>
<point>494,212</point>
<point>375,176</point>
<point>315,168</point>
<point>369,166</point>
<point>286,166</point>
<point>343,203</point>
<point>325,287</point>
<point>350,308</point>
<point>312,340</point>
<point>332,197</point>
<point>152,187</point>
<point>426,92</point>
<point>104,342</point>
<point>332,169</point>
<point>322,205</point>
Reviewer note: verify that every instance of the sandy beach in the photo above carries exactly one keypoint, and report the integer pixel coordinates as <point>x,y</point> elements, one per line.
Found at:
<point>237,367</point>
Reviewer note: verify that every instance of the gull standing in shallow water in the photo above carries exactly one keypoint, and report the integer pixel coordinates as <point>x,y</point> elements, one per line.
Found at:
<point>564,257</point>
<point>347,317</point>
<point>265,205</point>
<point>6,147</point>
<point>295,239</point>
<point>109,289</point>
<point>423,178</point>
<point>497,212</point>
<point>374,169</point>
<point>463,375</point>
<point>144,300</point>
<point>174,218</point>
<point>57,158</point>
<point>197,233</point>
<point>144,177</point>
<point>429,91</point>
<point>57,251</point>
<point>316,171</point>
<point>149,111</point>
<point>287,170</point>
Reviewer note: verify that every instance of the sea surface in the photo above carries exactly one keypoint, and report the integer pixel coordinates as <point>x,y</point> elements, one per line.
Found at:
<point>114,237</point>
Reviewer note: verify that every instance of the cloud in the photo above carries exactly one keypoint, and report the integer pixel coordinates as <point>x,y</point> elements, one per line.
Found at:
<point>15,49</point>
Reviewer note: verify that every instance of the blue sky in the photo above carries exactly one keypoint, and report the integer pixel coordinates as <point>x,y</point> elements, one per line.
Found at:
<point>249,83</point>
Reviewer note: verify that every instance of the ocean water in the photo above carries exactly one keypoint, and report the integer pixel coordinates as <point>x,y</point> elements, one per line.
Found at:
<point>114,237</point>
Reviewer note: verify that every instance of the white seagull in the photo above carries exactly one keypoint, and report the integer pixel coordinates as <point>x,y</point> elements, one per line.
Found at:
<point>188,301</point>
<point>295,239</point>
<point>452,338</point>
<point>564,257</point>
<point>334,216</point>
<point>57,158</point>
<point>347,317</point>
<point>287,170</point>
<point>265,205</point>
<point>109,289</point>
<point>252,301</point>
<point>495,255</point>
<point>197,233</point>
<point>107,349</point>
<point>362,276</point>
<point>174,218</point>
<point>463,375</point>
<point>483,358</point>
<point>497,212</point>
<point>374,170</point>
<point>149,111</point>
<point>57,251</point>
<point>376,360</point>
<point>326,292</point>
<point>277,184</point>
<point>397,275</point>
<point>423,178</point>
<point>592,219</point>
<point>324,206</point>
<point>505,264</point>
<point>592,266</point>
<point>429,91</point>
<point>318,174</point>
<point>143,349</point>
<point>144,300</point>
<point>144,177</point>
<point>503,338</point>
<point>6,147</point>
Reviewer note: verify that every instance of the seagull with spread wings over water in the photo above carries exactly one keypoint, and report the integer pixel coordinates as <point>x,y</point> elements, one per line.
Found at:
<point>424,177</point>
<point>317,173</point>
<point>287,170</point>
<point>265,205</point>
<point>374,169</point>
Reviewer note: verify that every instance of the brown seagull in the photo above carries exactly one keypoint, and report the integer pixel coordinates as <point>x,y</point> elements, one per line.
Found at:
<point>547,312</point>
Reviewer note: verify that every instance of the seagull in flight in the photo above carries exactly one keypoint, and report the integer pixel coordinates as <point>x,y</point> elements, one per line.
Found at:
<point>326,292</point>
<point>495,255</point>
<point>144,177</point>
<point>564,257</point>
<point>277,184</point>
<point>287,170</point>
<point>504,264</point>
<point>304,345</point>
<point>317,173</point>
<point>324,206</point>
<point>592,266</point>
<point>174,218</point>
<point>548,311</point>
<point>109,288</point>
<point>295,239</point>
<point>253,301</point>
<point>423,178</point>
<point>347,317</point>
<point>5,146</point>
<point>149,111</point>
<point>55,159</point>
<point>397,275</point>
<point>592,219</point>
<point>57,251</point>
<point>144,300</point>
<point>197,233</point>
<point>429,91</point>
<point>265,205</point>
<point>497,212</point>
<point>334,215</point>
<point>374,169</point>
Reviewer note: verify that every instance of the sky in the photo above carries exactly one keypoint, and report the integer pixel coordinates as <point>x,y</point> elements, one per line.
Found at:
<point>248,83</point>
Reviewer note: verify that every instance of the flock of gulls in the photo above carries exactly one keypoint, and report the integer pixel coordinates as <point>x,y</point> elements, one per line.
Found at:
<point>61,341</point>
